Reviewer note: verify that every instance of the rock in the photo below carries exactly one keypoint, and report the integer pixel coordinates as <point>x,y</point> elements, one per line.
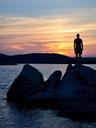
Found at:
<point>29,86</point>
<point>54,80</point>
<point>76,91</point>
<point>78,84</point>
<point>49,90</point>
<point>29,82</point>
<point>86,73</point>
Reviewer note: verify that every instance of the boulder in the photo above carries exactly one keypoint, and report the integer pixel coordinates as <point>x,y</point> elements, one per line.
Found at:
<point>78,83</point>
<point>77,93</point>
<point>54,80</point>
<point>29,82</point>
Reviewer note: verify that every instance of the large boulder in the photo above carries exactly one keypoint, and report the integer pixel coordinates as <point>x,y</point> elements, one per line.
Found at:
<point>29,82</point>
<point>77,92</point>
<point>79,82</point>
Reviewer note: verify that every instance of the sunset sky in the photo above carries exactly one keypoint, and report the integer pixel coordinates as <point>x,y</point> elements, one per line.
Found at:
<point>47,26</point>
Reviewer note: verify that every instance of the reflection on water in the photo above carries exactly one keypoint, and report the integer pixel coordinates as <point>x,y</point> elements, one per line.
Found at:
<point>12,116</point>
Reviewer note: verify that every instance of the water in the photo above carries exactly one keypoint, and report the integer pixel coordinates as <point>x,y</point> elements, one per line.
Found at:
<point>12,116</point>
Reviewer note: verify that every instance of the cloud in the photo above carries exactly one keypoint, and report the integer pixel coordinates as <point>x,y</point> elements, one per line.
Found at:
<point>45,34</point>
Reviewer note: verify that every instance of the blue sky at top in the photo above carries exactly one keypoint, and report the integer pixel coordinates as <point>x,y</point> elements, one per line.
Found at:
<point>44,7</point>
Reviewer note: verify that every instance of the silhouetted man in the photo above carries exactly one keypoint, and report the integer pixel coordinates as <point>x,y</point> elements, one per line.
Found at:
<point>78,46</point>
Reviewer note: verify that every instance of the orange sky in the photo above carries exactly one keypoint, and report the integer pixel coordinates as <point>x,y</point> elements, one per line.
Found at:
<point>45,34</point>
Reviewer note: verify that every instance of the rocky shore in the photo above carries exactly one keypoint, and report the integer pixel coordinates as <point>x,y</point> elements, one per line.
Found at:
<point>75,92</point>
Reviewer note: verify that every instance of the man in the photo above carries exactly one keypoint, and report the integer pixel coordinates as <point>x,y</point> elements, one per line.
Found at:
<point>78,46</point>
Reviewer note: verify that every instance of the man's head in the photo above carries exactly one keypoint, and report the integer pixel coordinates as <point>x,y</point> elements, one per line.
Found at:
<point>78,35</point>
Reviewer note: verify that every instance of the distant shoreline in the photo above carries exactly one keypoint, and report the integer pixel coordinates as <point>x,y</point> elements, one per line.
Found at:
<point>43,58</point>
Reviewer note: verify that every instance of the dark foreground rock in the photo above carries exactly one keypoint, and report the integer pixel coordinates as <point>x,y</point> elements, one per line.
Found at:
<point>27,83</point>
<point>78,83</point>
<point>77,92</point>
<point>29,86</point>
<point>74,93</point>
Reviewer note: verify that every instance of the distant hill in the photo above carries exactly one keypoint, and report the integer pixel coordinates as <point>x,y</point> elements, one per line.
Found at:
<point>49,58</point>
<point>34,58</point>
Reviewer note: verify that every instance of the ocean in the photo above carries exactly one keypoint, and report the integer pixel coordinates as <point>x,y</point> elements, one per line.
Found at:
<point>12,116</point>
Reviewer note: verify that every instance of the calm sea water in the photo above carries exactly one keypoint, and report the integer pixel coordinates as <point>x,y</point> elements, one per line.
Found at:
<point>12,116</point>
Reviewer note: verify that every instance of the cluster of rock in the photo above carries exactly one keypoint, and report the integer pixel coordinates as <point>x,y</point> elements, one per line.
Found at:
<point>77,88</point>
<point>30,86</point>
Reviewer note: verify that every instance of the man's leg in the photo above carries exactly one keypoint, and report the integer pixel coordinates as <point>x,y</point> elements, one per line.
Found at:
<point>76,55</point>
<point>79,55</point>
